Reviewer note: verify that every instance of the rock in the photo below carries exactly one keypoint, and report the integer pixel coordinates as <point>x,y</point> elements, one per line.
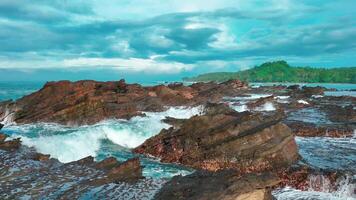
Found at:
<point>40,157</point>
<point>305,178</point>
<point>336,113</point>
<point>89,160</point>
<point>303,129</point>
<point>243,141</point>
<point>224,185</point>
<point>130,170</point>
<point>293,87</point>
<point>260,102</point>
<point>9,145</point>
<point>107,163</point>
<point>88,102</point>
<point>2,137</point>
<point>307,92</point>
<point>1,126</point>
<point>176,123</point>
<point>236,84</point>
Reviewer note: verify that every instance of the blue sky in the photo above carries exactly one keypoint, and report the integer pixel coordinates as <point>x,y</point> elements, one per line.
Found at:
<point>103,39</point>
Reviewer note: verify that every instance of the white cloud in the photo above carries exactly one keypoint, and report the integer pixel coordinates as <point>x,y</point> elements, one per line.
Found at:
<point>131,64</point>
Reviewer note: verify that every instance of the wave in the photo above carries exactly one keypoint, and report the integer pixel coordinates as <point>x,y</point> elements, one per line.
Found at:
<point>345,188</point>
<point>68,144</point>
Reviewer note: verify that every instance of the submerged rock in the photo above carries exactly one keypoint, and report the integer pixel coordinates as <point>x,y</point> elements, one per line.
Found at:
<point>226,139</point>
<point>224,185</point>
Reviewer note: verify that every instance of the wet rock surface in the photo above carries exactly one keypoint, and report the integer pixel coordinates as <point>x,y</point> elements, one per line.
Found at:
<point>226,139</point>
<point>237,155</point>
<point>88,102</point>
<point>224,185</point>
<point>36,176</point>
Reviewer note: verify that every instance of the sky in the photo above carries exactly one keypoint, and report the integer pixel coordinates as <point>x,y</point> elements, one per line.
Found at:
<point>169,39</point>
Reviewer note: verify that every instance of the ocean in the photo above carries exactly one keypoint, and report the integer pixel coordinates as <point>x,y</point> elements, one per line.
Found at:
<point>116,138</point>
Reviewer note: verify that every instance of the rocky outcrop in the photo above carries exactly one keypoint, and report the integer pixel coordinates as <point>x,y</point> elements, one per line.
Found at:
<point>337,113</point>
<point>260,102</point>
<point>224,185</point>
<point>312,130</point>
<point>226,139</point>
<point>306,92</point>
<point>9,145</point>
<point>30,173</point>
<point>88,102</point>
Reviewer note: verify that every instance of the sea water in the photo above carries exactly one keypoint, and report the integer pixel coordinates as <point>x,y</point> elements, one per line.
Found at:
<point>117,137</point>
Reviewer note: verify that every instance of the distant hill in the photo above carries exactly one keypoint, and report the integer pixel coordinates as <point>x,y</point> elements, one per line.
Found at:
<point>281,71</point>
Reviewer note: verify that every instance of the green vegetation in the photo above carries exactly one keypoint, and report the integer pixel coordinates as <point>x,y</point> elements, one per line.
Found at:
<point>280,71</point>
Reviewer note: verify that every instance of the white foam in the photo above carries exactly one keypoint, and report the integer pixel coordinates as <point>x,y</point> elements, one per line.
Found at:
<point>317,96</point>
<point>240,108</point>
<point>345,190</point>
<point>69,144</point>
<point>303,102</point>
<point>7,118</point>
<point>282,97</point>
<point>266,107</point>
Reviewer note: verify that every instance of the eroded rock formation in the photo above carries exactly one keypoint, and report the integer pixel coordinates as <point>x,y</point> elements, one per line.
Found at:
<point>225,139</point>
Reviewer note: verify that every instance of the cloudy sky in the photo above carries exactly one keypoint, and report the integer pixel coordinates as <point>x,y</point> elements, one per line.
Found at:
<point>104,39</point>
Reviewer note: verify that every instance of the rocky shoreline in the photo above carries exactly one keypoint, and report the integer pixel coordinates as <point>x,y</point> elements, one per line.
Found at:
<point>240,154</point>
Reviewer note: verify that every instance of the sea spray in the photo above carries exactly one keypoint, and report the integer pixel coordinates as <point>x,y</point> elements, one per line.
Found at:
<point>320,188</point>
<point>68,144</point>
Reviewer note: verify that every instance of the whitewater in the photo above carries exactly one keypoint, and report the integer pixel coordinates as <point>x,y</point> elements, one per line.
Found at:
<point>116,138</point>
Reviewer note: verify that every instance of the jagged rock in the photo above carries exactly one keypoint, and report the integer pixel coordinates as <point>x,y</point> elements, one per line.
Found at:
<point>224,185</point>
<point>336,113</point>
<point>9,145</point>
<point>88,102</point>
<point>129,170</point>
<point>311,130</point>
<point>304,178</point>
<point>244,141</point>
<point>307,92</point>
<point>89,160</point>
<point>40,157</point>
<point>107,163</point>
<point>174,122</point>
<point>261,101</point>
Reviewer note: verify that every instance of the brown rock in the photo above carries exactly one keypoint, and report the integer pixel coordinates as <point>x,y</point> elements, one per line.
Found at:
<point>244,141</point>
<point>2,137</point>
<point>311,130</point>
<point>41,157</point>
<point>261,101</point>
<point>107,163</point>
<point>129,170</point>
<point>10,145</point>
<point>225,185</point>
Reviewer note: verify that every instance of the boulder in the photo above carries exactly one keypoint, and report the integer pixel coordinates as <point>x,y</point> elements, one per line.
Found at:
<point>40,157</point>
<point>224,185</point>
<point>9,145</point>
<point>226,140</point>
<point>129,170</point>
